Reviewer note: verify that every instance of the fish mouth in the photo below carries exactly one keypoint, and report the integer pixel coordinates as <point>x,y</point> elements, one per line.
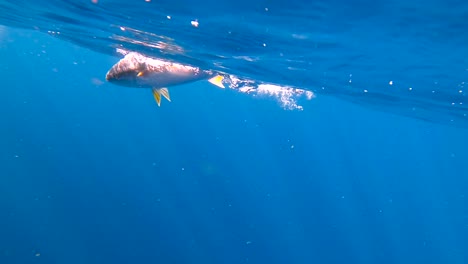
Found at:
<point>109,77</point>
<point>113,74</point>
<point>120,71</point>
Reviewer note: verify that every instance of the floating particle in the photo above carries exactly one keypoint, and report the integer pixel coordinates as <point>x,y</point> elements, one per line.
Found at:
<point>390,82</point>
<point>194,23</point>
<point>410,88</point>
<point>96,81</point>
<point>168,17</point>
<point>264,44</point>
<point>365,91</point>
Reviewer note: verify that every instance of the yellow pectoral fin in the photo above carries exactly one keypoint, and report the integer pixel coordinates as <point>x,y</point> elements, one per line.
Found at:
<point>157,92</point>
<point>217,80</point>
<point>157,96</point>
<point>165,92</point>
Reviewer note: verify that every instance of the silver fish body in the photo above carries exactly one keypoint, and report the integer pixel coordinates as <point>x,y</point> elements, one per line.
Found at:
<point>137,70</point>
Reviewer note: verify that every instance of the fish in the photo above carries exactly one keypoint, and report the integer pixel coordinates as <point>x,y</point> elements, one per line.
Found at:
<point>140,71</point>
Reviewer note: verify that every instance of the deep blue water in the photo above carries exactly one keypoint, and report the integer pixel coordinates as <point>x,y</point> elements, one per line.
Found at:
<point>95,173</point>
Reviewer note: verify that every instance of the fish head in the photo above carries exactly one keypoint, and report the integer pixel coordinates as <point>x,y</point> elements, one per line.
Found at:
<point>126,73</point>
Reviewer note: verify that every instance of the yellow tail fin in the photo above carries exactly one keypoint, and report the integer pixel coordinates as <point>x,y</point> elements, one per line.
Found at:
<point>217,80</point>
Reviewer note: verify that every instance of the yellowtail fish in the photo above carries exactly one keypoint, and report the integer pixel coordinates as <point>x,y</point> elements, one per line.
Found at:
<point>137,70</point>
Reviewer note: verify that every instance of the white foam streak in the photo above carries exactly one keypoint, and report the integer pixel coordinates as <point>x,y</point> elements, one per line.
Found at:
<point>287,96</point>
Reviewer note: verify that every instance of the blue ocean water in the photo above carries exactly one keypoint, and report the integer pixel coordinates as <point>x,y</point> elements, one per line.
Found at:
<point>373,169</point>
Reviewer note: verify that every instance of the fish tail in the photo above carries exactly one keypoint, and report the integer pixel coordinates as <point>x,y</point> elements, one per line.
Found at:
<point>217,80</point>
